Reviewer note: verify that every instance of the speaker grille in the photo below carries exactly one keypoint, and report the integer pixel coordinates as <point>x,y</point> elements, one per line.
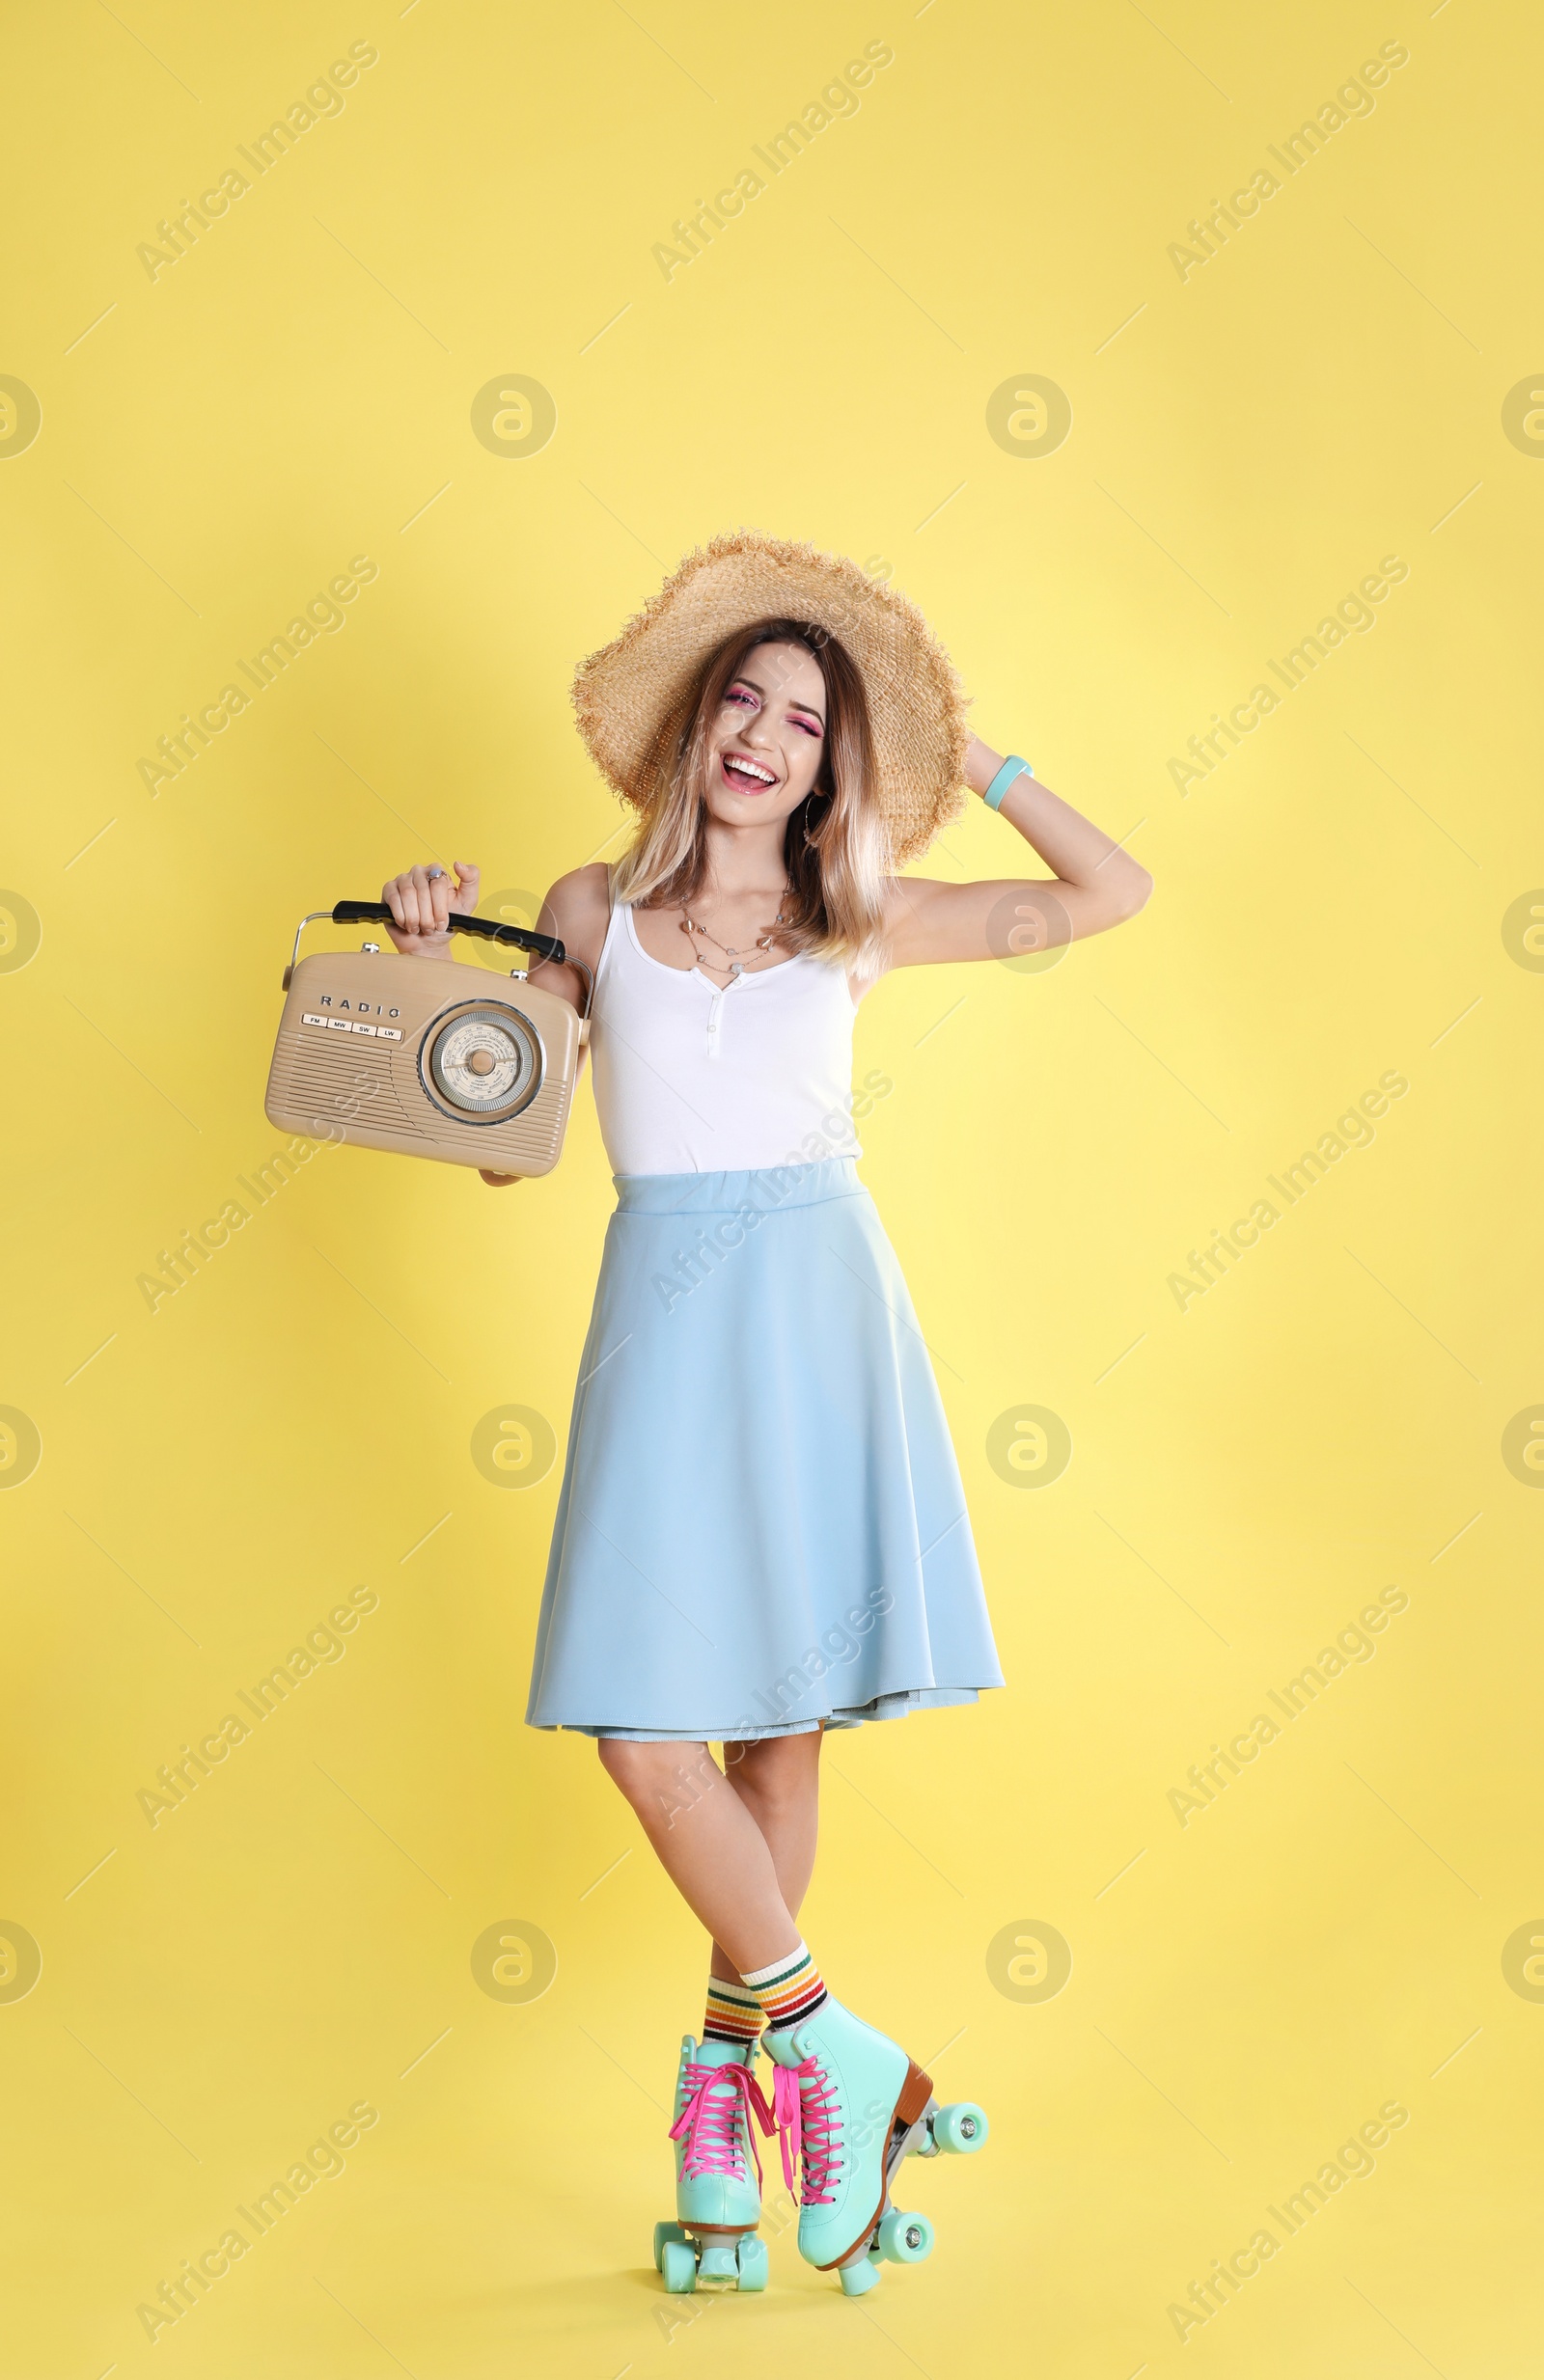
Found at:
<point>340,1083</point>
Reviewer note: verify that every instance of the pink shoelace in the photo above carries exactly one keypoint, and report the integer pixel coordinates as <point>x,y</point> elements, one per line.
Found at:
<point>804,2110</point>
<point>710,2115</point>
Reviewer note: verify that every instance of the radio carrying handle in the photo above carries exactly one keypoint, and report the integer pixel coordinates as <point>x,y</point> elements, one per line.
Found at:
<point>377,912</point>
<point>543,947</point>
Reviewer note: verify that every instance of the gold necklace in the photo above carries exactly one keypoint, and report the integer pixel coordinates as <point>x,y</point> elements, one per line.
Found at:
<point>732,952</point>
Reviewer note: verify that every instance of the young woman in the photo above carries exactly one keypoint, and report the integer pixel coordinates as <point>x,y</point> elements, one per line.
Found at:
<point>760,1531</point>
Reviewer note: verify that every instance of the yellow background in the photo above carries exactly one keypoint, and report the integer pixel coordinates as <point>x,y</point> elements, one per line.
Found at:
<point>1247,444</point>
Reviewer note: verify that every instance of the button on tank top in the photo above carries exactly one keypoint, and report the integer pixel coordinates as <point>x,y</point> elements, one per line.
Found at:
<point>695,1077</point>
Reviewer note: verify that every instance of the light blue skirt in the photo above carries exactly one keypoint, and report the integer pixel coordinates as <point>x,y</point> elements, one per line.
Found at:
<point>762,1527</point>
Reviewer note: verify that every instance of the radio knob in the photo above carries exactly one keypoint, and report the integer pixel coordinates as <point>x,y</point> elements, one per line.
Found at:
<point>484,1061</point>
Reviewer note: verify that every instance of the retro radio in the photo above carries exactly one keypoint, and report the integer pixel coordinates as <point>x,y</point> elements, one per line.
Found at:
<point>392,1053</point>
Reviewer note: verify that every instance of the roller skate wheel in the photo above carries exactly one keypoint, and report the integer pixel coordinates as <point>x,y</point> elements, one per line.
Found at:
<point>960,2129</point>
<point>904,2239</point>
<point>717,2268</point>
<point>677,2262</point>
<point>664,2231</point>
<point>862,2274</point>
<point>752,2260</point>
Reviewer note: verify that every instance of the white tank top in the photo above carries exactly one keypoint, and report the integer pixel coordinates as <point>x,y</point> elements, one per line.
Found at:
<point>695,1077</point>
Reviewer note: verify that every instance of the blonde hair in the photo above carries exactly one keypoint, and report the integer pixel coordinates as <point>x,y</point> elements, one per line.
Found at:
<point>835,845</point>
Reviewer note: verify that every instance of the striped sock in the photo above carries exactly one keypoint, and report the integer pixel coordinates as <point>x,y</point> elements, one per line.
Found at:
<point>789,1990</point>
<point>733,2014</point>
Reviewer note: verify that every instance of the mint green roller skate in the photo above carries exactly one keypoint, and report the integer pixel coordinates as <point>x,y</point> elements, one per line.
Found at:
<point>712,2243</point>
<point>850,2105</point>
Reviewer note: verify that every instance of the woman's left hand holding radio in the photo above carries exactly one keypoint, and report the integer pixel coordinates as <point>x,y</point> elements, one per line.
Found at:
<point>421,900</point>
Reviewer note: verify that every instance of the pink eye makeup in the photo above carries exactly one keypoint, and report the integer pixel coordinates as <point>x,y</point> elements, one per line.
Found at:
<point>746,698</point>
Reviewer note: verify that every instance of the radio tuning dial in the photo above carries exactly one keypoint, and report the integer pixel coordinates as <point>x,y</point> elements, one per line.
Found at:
<point>484,1061</point>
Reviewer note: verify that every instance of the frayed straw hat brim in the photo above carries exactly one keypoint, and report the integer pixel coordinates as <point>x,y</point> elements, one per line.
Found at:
<point>632,698</point>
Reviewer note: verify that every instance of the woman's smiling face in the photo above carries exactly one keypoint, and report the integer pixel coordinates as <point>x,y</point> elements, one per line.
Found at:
<point>768,740</point>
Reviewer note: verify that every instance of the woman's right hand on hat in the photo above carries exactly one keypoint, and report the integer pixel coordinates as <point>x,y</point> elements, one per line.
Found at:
<point>421,900</point>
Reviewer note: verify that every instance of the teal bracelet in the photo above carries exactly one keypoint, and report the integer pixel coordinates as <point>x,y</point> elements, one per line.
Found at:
<point>1012,768</point>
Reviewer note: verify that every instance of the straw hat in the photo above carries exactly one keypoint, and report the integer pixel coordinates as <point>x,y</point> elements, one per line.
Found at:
<point>633,696</point>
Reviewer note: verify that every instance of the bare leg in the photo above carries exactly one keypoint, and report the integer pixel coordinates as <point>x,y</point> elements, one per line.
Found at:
<point>710,1845</point>
<point>778,1778</point>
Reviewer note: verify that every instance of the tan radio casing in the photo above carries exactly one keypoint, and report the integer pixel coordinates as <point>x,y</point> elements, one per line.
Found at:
<point>352,1061</point>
